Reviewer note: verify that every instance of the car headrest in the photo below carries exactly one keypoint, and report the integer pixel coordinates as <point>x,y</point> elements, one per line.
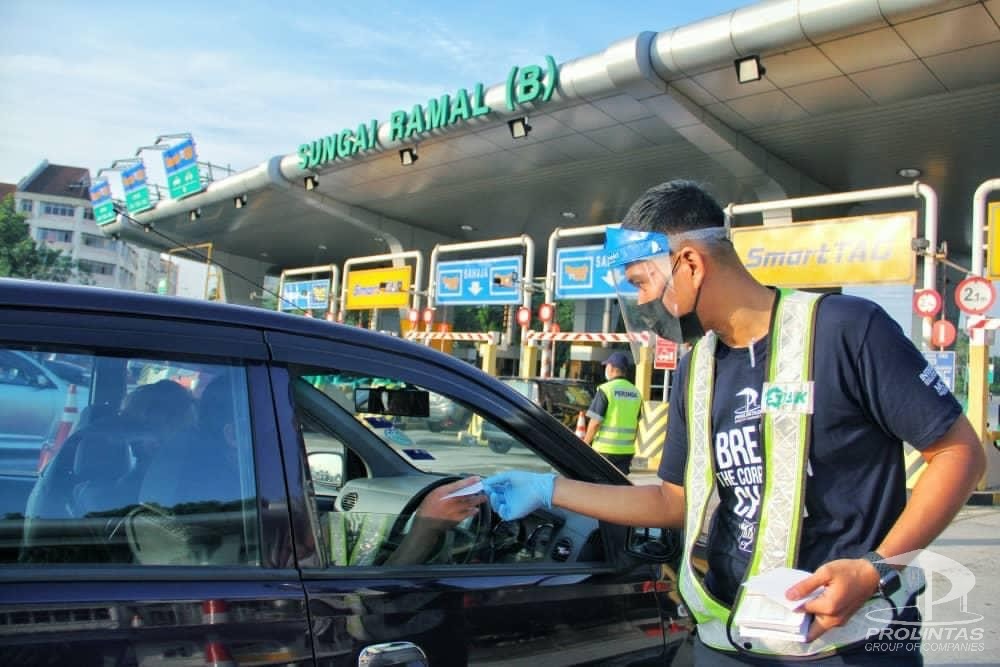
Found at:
<point>101,454</point>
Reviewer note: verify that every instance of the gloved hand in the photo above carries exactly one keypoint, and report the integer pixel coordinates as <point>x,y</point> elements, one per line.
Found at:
<point>516,493</point>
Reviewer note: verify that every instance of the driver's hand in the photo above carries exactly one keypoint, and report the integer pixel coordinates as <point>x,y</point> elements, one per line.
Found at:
<point>451,510</point>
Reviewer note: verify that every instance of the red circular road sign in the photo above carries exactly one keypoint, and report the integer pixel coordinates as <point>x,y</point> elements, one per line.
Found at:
<point>975,295</point>
<point>942,333</point>
<point>524,316</point>
<point>428,315</point>
<point>413,315</point>
<point>927,302</point>
<point>545,312</point>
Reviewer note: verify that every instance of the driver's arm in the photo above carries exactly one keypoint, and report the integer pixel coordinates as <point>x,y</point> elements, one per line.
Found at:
<point>435,517</point>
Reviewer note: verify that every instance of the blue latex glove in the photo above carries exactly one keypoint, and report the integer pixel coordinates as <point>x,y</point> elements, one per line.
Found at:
<point>517,493</point>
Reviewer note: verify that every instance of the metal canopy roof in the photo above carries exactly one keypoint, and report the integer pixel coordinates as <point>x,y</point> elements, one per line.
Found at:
<point>853,91</point>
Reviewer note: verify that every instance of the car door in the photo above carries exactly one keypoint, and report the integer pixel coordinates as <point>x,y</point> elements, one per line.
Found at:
<point>159,534</point>
<point>553,587</point>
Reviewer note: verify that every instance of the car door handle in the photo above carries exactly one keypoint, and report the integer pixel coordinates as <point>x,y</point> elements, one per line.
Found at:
<point>392,653</point>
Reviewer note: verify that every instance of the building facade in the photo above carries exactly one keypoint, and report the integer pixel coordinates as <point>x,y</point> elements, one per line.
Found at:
<point>55,200</point>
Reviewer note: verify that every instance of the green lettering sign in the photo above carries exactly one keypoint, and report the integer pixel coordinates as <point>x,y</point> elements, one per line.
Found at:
<point>531,84</point>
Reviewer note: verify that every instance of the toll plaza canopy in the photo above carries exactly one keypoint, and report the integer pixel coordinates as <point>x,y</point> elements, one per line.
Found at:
<point>848,94</point>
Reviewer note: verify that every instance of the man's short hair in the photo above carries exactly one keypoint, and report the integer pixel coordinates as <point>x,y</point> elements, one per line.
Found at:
<point>674,207</point>
<point>680,206</point>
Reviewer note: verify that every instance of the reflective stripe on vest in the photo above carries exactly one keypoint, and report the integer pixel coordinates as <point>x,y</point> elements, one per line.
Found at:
<point>356,538</point>
<point>616,434</point>
<point>786,401</point>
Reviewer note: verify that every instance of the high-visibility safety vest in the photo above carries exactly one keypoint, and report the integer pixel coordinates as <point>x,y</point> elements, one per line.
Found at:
<point>787,406</point>
<point>616,434</point>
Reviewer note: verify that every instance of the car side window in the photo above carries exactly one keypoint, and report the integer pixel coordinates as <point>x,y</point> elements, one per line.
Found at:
<point>151,463</point>
<point>378,447</point>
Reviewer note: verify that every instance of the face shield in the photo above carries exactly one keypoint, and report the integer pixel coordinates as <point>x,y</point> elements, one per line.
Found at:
<point>643,276</point>
<point>643,267</point>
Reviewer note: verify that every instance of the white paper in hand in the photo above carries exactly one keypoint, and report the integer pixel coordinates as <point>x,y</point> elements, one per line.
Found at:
<point>470,490</point>
<point>773,584</point>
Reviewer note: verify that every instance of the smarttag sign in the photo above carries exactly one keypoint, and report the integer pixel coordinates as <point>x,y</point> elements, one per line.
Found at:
<point>181,164</point>
<point>479,282</point>
<point>582,272</point>
<point>378,288</point>
<point>136,190</point>
<point>104,207</point>
<point>870,249</point>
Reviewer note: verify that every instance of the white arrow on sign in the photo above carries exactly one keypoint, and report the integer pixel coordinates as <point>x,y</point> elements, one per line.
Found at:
<point>177,181</point>
<point>609,279</point>
<point>188,176</point>
<point>475,288</point>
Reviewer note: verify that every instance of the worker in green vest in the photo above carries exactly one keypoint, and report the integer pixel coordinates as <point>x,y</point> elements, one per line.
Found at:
<point>792,408</point>
<point>614,414</point>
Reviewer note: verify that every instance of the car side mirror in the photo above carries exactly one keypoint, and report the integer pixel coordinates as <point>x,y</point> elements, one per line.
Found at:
<point>656,545</point>
<point>327,469</point>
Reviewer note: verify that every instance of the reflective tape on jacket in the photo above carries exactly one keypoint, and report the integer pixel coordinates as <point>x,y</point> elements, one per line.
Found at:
<point>787,408</point>
<point>616,434</point>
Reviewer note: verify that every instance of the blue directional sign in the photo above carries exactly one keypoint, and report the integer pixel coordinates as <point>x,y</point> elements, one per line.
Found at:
<point>100,198</point>
<point>582,272</point>
<point>305,295</point>
<point>944,364</point>
<point>181,164</point>
<point>480,282</point>
<point>136,189</point>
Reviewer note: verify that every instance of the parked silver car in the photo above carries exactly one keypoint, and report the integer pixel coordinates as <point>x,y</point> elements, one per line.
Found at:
<point>34,393</point>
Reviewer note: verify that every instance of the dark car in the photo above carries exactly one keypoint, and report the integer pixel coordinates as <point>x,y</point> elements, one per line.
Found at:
<point>236,491</point>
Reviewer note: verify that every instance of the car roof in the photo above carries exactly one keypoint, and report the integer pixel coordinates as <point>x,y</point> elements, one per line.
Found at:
<point>81,299</point>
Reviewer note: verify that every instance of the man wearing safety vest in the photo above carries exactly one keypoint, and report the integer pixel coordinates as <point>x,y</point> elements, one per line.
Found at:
<point>614,415</point>
<point>794,409</point>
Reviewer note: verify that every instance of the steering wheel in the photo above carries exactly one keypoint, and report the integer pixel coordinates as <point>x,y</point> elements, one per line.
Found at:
<point>462,542</point>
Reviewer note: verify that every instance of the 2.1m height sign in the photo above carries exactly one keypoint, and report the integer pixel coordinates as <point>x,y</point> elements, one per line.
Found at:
<point>486,281</point>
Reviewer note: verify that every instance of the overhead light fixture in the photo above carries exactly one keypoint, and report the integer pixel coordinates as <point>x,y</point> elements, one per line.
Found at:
<point>749,69</point>
<point>569,215</point>
<point>312,182</point>
<point>240,202</point>
<point>194,215</point>
<point>407,156</point>
<point>467,228</point>
<point>519,127</point>
<point>910,172</point>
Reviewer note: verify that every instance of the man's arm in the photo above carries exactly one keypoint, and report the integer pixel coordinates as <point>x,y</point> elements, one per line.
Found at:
<point>644,505</point>
<point>955,463</point>
<point>592,425</point>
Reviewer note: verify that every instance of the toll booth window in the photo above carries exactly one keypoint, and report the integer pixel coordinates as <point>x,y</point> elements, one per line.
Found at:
<point>108,458</point>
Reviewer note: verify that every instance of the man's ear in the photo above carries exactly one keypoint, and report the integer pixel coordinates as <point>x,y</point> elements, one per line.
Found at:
<point>693,260</point>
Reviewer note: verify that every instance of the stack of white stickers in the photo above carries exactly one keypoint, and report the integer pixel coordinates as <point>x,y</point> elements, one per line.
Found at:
<point>766,612</point>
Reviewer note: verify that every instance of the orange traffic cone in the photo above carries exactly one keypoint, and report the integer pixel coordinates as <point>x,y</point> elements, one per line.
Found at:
<point>66,424</point>
<point>581,425</point>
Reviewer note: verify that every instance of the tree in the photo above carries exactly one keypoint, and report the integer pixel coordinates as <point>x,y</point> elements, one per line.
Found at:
<point>21,257</point>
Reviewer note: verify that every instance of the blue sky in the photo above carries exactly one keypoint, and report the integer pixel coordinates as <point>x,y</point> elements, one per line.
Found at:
<point>86,83</point>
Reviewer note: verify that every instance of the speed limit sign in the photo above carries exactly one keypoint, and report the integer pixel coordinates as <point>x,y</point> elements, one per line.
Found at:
<point>975,295</point>
<point>927,302</point>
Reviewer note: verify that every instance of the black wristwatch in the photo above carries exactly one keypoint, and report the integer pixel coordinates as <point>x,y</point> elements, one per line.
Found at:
<point>888,578</point>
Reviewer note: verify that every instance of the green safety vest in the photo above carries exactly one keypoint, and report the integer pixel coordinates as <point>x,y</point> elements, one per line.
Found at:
<point>787,405</point>
<point>616,435</point>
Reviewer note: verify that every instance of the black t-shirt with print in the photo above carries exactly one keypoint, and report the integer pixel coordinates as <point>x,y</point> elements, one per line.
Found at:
<point>872,390</point>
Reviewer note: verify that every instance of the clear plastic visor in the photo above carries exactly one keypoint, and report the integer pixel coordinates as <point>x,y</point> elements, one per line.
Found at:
<point>641,286</point>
